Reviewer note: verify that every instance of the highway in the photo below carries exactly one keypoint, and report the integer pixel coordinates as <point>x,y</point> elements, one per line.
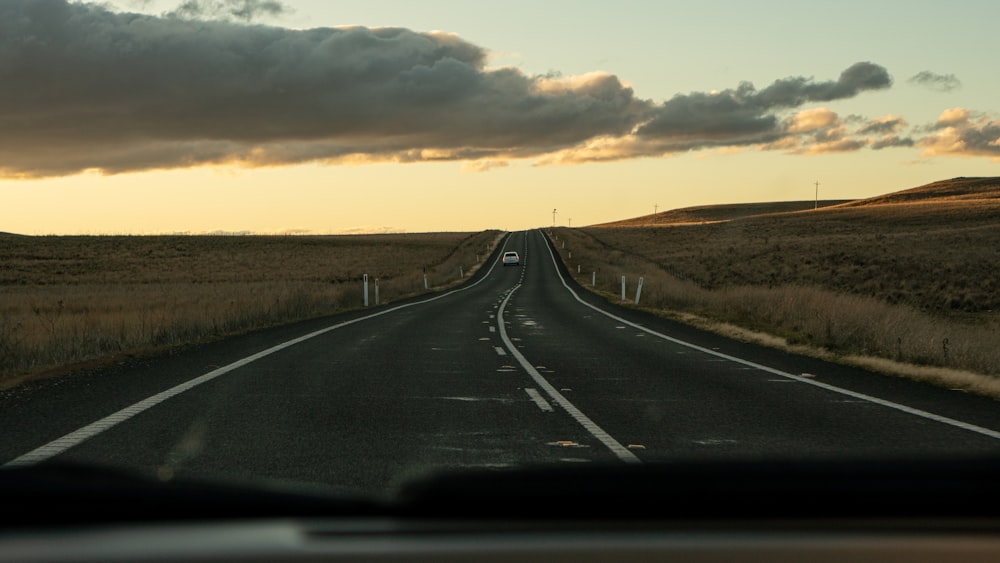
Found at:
<point>518,366</point>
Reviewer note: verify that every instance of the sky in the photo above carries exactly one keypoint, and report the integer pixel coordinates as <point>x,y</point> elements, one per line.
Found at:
<point>332,117</point>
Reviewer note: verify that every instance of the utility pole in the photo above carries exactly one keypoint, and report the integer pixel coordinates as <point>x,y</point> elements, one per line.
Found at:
<point>570,221</point>
<point>816,205</point>
<point>553,217</point>
<point>655,207</point>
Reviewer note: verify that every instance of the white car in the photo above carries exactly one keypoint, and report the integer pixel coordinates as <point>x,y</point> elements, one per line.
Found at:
<point>511,259</point>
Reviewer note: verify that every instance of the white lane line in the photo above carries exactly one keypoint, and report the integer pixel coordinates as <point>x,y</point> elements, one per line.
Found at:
<point>596,431</point>
<point>500,351</point>
<point>60,445</point>
<point>807,379</point>
<point>538,399</point>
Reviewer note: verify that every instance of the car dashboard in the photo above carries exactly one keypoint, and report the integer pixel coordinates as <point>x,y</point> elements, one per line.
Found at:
<point>748,511</point>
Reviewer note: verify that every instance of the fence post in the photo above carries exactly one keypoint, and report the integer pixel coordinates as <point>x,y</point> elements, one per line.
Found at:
<point>376,292</point>
<point>623,287</point>
<point>593,279</point>
<point>425,281</point>
<point>366,289</point>
<point>638,290</point>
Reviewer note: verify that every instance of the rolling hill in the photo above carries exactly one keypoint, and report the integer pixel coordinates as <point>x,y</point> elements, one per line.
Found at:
<point>961,189</point>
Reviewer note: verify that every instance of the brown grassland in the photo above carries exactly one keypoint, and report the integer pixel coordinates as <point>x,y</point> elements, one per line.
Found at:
<point>70,300</point>
<point>907,283</point>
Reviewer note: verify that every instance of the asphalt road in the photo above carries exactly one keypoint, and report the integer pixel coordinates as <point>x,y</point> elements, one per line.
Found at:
<point>518,366</point>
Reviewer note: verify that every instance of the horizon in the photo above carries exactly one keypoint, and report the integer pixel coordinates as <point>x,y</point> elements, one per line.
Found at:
<point>316,118</point>
<point>820,203</point>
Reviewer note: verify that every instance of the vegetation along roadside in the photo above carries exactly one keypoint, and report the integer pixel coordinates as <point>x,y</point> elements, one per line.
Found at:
<point>66,300</point>
<point>907,283</point>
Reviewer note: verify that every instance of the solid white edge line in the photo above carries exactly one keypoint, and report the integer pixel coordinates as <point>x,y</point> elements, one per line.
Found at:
<point>60,445</point>
<point>903,408</point>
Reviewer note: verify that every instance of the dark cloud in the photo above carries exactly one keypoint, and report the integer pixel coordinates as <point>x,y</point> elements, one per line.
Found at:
<point>743,117</point>
<point>885,132</point>
<point>883,126</point>
<point>892,141</point>
<point>85,88</point>
<point>938,82</point>
<point>747,116</point>
<point>82,88</point>
<point>243,10</point>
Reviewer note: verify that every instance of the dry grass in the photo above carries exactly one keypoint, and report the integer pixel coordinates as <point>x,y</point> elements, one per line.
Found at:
<point>66,300</point>
<point>910,278</point>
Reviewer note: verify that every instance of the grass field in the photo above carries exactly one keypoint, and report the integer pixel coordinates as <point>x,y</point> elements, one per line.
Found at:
<point>67,300</point>
<point>907,283</point>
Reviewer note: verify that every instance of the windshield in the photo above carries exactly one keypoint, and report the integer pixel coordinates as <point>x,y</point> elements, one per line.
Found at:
<point>265,242</point>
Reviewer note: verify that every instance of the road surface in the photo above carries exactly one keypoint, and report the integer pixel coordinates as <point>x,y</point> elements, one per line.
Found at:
<point>518,366</point>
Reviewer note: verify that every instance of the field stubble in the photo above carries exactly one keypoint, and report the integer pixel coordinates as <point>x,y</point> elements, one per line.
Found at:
<point>909,289</point>
<point>74,299</point>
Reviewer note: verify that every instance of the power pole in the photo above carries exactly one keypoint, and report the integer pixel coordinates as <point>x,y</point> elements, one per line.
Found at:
<point>816,205</point>
<point>655,207</point>
<point>553,217</point>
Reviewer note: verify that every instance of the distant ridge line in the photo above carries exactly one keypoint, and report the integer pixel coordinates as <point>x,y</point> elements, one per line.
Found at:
<point>955,189</point>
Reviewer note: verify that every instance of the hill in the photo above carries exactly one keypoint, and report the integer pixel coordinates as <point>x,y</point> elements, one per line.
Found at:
<point>956,190</point>
<point>907,282</point>
<point>908,276</point>
<point>714,213</point>
<point>933,247</point>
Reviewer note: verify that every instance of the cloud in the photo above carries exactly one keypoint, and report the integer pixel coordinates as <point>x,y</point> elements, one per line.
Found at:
<point>962,133</point>
<point>484,165</point>
<point>883,125</point>
<point>746,115</point>
<point>245,10</point>
<point>811,120</point>
<point>937,82</point>
<point>883,132</point>
<point>742,116</point>
<point>84,88</point>
<point>890,141</point>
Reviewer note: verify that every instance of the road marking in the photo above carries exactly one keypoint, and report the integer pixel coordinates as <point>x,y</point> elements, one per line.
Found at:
<point>538,399</point>
<point>500,351</point>
<point>804,379</point>
<point>596,431</point>
<point>60,445</point>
